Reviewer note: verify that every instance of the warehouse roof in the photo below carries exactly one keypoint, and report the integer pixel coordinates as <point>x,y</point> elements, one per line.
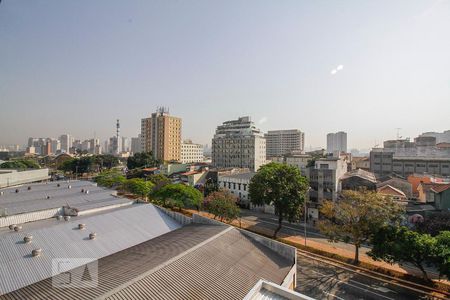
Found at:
<point>193,262</point>
<point>116,230</point>
<point>243,176</point>
<point>42,196</point>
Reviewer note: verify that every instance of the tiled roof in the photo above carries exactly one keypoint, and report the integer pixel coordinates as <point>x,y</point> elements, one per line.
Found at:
<point>390,190</point>
<point>116,231</point>
<point>439,188</point>
<point>193,262</point>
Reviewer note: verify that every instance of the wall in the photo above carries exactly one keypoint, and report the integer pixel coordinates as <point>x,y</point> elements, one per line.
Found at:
<point>14,177</point>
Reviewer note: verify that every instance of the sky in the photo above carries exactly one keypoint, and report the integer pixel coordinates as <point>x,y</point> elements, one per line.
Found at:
<point>364,67</point>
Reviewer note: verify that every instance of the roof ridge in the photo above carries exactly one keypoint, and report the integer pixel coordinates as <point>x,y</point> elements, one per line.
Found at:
<point>166,263</point>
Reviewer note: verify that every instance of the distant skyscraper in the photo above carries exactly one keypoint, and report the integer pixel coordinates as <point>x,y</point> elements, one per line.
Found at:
<point>136,144</point>
<point>280,142</point>
<point>125,144</point>
<point>66,142</point>
<point>238,143</point>
<point>337,142</point>
<point>161,135</point>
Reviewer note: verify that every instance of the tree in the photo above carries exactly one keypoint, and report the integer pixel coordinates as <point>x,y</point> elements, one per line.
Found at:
<point>110,179</point>
<point>179,195</point>
<point>222,204</point>
<point>210,186</point>
<point>159,181</point>
<point>20,164</point>
<point>435,223</point>
<point>142,160</point>
<point>442,259</point>
<point>138,186</point>
<point>281,186</point>
<point>394,244</point>
<point>357,216</point>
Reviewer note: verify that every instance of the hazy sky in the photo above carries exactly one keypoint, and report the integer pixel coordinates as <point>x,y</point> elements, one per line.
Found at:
<point>365,67</point>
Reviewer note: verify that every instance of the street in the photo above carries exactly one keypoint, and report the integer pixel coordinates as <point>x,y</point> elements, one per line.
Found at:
<point>321,279</point>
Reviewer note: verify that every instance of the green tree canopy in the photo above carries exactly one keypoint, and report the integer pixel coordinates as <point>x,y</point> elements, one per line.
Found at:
<point>179,195</point>
<point>442,259</point>
<point>20,164</point>
<point>357,216</point>
<point>87,164</point>
<point>435,223</point>
<point>394,244</point>
<point>110,179</point>
<point>138,186</point>
<point>281,186</point>
<point>222,204</point>
<point>142,160</point>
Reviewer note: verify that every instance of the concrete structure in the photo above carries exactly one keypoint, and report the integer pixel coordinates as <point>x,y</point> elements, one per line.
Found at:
<point>384,161</point>
<point>136,144</point>
<point>441,137</point>
<point>238,144</point>
<point>161,135</point>
<point>169,169</point>
<point>281,142</point>
<point>66,142</point>
<point>324,179</point>
<point>191,153</point>
<point>362,163</point>
<point>14,177</point>
<point>337,142</point>
<point>237,184</point>
<point>299,161</point>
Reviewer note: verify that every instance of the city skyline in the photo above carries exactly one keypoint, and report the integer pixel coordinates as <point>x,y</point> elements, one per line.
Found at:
<point>76,68</point>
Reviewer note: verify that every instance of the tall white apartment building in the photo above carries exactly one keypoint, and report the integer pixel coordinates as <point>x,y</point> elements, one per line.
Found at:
<point>281,142</point>
<point>136,144</point>
<point>337,142</point>
<point>238,144</point>
<point>191,153</point>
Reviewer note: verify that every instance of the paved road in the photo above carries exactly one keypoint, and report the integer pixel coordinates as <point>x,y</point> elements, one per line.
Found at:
<point>296,229</point>
<point>322,280</point>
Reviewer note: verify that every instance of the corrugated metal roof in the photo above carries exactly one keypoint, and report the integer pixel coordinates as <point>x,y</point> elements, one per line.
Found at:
<point>36,199</point>
<point>197,261</point>
<point>224,268</point>
<point>116,231</point>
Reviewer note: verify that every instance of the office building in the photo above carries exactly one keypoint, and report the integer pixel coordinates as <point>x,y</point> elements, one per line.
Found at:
<point>281,142</point>
<point>297,160</point>
<point>238,144</point>
<point>125,144</point>
<point>161,135</point>
<point>441,137</point>
<point>136,144</point>
<point>191,153</point>
<point>337,142</point>
<point>66,142</point>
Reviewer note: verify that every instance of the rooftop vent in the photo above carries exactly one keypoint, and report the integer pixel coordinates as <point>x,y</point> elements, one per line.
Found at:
<point>36,252</point>
<point>87,192</point>
<point>81,226</point>
<point>29,188</point>
<point>48,197</point>
<point>92,235</point>
<point>1,193</point>
<point>69,186</point>
<point>59,218</point>
<point>17,228</point>
<point>27,239</point>
<point>17,190</point>
<point>58,185</point>
<point>12,226</point>
<point>82,190</point>
<point>66,218</point>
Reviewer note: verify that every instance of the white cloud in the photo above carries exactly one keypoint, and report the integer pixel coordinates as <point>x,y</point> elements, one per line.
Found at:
<point>340,67</point>
<point>334,71</point>
<point>262,120</point>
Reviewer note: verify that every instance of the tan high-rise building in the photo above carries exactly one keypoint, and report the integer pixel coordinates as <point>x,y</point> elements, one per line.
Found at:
<point>161,135</point>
